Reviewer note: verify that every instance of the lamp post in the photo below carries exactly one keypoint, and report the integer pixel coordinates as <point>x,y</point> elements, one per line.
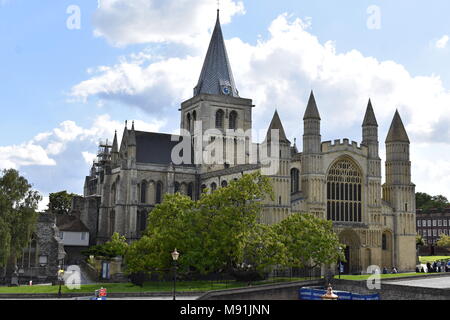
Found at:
<point>60,280</point>
<point>339,262</point>
<point>175,256</point>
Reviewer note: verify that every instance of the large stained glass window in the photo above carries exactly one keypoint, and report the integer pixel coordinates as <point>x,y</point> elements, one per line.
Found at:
<point>344,187</point>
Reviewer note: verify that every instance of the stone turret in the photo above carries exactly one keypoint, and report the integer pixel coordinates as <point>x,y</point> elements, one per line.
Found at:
<point>399,191</point>
<point>279,152</point>
<point>370,139</point>
<point>370,132</point>
<point>313,175</point>
<point>115,151</point>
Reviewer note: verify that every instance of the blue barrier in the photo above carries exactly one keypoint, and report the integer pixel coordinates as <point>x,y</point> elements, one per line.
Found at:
<point>316,294</point>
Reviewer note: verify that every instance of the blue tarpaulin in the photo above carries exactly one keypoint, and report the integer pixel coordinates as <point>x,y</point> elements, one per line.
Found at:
<point>316,294</point>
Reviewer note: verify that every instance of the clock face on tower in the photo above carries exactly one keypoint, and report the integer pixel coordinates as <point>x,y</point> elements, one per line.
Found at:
<point>226,90</point>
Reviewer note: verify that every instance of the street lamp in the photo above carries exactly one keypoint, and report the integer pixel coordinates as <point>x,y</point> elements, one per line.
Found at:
<point>60,280</point>
<point>339,263</point>
<point>175,256</point>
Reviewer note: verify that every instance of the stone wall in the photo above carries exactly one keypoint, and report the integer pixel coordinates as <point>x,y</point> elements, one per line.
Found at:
<point>393,291</point>
<point>286,291</point>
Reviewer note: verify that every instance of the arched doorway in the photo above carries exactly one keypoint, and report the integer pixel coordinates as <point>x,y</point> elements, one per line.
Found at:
<point>386,249</point>
<point>350,239</point>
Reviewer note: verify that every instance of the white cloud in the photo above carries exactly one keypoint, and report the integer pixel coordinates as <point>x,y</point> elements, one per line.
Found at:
<point>442,42</point>
<point>124,22</point>
<point>59,159</point>
<point>152,86</point>
<point>25,154</point>
<point>88,157</point>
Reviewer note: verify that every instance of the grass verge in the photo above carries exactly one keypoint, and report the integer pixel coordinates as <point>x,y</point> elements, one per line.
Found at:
<point>162,286</point>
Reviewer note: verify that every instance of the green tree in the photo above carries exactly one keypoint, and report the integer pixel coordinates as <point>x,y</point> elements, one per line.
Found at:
<point>444,241</point>
<point>419,241</point>
<point>263,249</point>
<point>116,247</point>
<point>60,202</point>
<point>309,241</point>
<point>18,214</point>
<point>425,201</point>
<point>211,234</point>
<point>170,225</point>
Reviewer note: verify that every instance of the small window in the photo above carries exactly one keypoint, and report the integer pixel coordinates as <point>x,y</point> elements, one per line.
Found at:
<point>61,235</point>
<point>83,236</point>
<point>219,119</point>
<point>43,260</point>
<point>233,120</point>
<point>384,242</point>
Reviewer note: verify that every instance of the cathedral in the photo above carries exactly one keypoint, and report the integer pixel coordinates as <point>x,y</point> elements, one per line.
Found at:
<point>336,180</point>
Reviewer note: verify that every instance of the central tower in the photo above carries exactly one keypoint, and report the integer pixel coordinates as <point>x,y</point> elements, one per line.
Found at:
<point>216,109</point>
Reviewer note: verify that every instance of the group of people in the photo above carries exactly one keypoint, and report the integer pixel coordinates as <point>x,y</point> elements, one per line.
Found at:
<point>393,270</point>
<point>436,266</point>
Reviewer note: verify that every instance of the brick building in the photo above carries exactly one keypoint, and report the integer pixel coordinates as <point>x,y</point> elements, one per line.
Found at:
<point>432,223</point>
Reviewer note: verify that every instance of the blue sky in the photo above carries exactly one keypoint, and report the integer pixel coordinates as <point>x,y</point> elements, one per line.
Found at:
<point>63,90</point>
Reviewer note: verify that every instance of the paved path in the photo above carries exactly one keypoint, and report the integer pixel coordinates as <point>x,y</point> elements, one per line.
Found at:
<point>432,282</point>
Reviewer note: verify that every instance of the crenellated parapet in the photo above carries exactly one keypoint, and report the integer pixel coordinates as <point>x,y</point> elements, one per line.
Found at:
<point>345,145</point>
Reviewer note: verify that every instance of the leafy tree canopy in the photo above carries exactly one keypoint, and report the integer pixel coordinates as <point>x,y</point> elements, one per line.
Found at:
<point>309,241</point>
<point>210,233</point>
<point>116,247</point>
<point>60,202</point>
<point>18,214</point>
<point>425,201</point>
<point>444,241</point>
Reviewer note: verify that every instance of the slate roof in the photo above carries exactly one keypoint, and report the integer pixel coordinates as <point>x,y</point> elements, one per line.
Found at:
<point>216,72</point>
<point>156,148</point>
<point>70,223</point>
<point>397,132</point>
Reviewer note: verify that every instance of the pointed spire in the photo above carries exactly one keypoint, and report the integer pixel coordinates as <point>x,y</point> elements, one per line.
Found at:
<point>397,132</point>
<point>132,136</point>
<point>311,110</point>
<point>216,76</point>
<point>276,124</point>
<point>115,145</point>
<point>369,118</point>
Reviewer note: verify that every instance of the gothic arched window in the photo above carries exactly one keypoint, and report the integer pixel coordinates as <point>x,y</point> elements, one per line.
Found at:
<point>158,198</point>
<point>113,194</point>
<point>190,191</point>
<point>177,187</point>
<point>219,119</point>
<point>143,192</point>
<point>213,187</point>
<point>142,221</point>
<point>224,184</point>
<point>295,176</point>
<point>344,187</point>
<point>188,122</point>
<point>233,120</point>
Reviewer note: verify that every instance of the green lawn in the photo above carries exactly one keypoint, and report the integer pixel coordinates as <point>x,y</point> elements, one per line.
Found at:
<point>186,286</point>
<point>383,276</point>
<point>432,259</point>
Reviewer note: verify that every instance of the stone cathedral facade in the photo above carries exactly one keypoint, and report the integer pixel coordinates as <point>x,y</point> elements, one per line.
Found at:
<point>335,180</point>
